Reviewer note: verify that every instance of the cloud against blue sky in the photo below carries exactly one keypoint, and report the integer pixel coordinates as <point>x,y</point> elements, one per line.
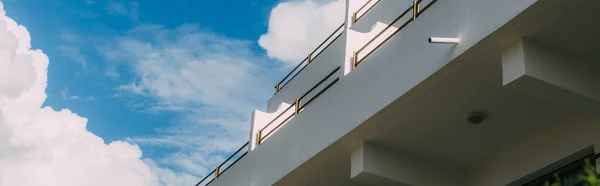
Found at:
<point>43,146</point>
<point>141,92</point>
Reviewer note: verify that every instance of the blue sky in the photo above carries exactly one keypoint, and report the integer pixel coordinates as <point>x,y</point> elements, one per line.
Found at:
<point>49,22</point>
<point>179,78</point>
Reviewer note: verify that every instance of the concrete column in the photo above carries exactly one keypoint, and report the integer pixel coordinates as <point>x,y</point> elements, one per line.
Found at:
<point>374,164</point>
<point>351,35</point>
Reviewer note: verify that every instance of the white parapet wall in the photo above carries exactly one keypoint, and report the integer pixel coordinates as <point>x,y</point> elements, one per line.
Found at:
<point>261,119</point>
<point>370,25</point>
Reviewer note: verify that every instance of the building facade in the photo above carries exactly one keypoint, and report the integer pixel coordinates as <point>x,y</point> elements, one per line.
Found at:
<point>434,92</point>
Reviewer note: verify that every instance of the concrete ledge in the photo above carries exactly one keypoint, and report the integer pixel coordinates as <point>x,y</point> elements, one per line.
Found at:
<point>374,164</point>
<point>542,72</point>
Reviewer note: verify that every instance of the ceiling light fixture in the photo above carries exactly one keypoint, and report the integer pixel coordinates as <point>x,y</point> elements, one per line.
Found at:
<point>476,117</point>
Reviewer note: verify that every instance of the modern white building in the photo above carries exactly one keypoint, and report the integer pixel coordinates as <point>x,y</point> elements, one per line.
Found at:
<point>432,93</point>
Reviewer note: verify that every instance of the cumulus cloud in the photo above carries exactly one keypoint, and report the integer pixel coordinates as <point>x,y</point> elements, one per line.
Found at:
<point>16,70</point>
<point>213,81</point>
<point>42,146</point>
<point>297,27</point>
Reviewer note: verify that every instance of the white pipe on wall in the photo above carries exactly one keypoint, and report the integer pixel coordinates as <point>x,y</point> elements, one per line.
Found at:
<point>443,40</point>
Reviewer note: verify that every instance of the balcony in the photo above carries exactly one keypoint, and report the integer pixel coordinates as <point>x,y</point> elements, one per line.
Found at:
<point>393,27</point>
<point>363,10</point>
<point>412,98</point>
<point>304,87</point>
<point>327,56</point>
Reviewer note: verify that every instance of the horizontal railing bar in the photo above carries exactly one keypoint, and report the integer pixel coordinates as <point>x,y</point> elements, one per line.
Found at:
<point>363,6</point>
<point>384,41</point>
<point>236,152</point>
<point>210,181</point>
<point>361,15</point>
<point>320,92</point>
<point>311,54</point>
<point>277,117</point>
<point>206,177</point>
<point>328,37</point>
<point>302,97</point>
<point>320,82</point>
<point>220,165</point>
<point>291,72</point>
<point>426,7</point>
<point>292,77</point>
<point>385,29</point>
<point>276,127</point>
<point>314,58</point>
<point>395,32</point>
<point>234,162</point>
<point>330,43</point>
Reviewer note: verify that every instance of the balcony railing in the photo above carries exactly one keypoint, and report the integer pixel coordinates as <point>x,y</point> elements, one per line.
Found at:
<point>221,168</point>
<point>298,106</point>
<point>240,153</point>
<point>356,16</point>
<point>311,56</point>
<point>415,9</point>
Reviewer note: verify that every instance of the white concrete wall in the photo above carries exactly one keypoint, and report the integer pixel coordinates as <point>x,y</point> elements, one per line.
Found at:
<point>261,119</point>
<point>371,24</point>
<point>357,4</point>
<point>538,151</point>
<point>320,66</point>
<point>405,61</point>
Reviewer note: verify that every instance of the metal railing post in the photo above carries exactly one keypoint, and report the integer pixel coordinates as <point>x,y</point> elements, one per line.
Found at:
<point>259,136</point>
<point>354,17</point>
<point>277,88</point>
<point>354,59</point>
<point>309,58</point>
<point>297,106</point>
<point>415,9</point>
<point>217,171</point>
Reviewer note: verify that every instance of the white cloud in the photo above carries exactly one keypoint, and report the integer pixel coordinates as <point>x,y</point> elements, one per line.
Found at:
<point>129,9</point>
<point>213,81</point>
<point>65,94</point>
<point>42,146</point>
<point>188,67</point>
<point>16,71</point>
<point>73,54</point>
<point>111,71</point>
<point>132,88</point>
<point>297,27</point>
<point>69,37</point>
<point>169,178</point>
